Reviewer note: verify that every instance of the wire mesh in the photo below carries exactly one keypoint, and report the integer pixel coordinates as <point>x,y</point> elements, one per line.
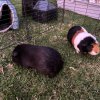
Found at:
<point>81,7</point>
<point>81,75</point>
<point>64,15</point>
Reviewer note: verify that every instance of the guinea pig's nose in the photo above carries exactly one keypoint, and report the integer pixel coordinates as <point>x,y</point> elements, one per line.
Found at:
<point>96,48</point>
<point>96,51</point>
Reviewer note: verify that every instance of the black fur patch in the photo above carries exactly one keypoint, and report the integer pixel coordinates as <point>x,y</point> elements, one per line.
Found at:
<point>86,45</point>
<point>45,60</point>
<point>72,32</point>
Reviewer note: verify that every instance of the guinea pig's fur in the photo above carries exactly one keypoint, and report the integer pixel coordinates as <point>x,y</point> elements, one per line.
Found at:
<point>83,41</point>
<point>44,59</point>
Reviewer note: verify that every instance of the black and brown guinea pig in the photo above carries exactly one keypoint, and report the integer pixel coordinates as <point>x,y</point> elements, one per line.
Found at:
<point>83,41</point>
<point>45,60</point>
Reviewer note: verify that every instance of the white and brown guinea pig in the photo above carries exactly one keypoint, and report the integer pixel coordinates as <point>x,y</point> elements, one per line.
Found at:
<point>83,41</point>
<point>45,60</point>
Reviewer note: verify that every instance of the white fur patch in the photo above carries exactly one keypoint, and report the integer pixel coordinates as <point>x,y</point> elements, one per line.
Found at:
<point>84,29</point>
<point>93,53</point>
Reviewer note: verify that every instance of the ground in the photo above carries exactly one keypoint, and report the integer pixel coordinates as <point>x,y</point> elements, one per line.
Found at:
<point>80,78</point>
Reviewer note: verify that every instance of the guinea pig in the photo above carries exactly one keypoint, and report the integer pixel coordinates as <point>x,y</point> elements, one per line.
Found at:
<point>83,41</point>
<point>45,60</point>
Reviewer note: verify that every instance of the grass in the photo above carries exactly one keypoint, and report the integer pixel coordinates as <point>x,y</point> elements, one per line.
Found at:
<point>80,78</point>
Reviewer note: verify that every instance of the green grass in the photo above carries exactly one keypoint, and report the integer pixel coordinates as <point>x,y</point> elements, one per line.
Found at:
<point>80,78</point>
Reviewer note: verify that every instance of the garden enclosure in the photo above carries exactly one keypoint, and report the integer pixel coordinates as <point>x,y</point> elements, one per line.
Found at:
<point>44,16</point>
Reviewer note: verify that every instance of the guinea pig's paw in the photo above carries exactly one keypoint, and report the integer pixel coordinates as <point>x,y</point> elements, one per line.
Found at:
<point>77,51</point>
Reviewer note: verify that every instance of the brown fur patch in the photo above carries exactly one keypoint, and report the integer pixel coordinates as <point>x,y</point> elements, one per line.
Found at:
<point>96,48</point>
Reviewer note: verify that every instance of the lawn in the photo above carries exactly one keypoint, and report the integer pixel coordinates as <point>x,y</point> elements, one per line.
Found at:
<point>80,77</point>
